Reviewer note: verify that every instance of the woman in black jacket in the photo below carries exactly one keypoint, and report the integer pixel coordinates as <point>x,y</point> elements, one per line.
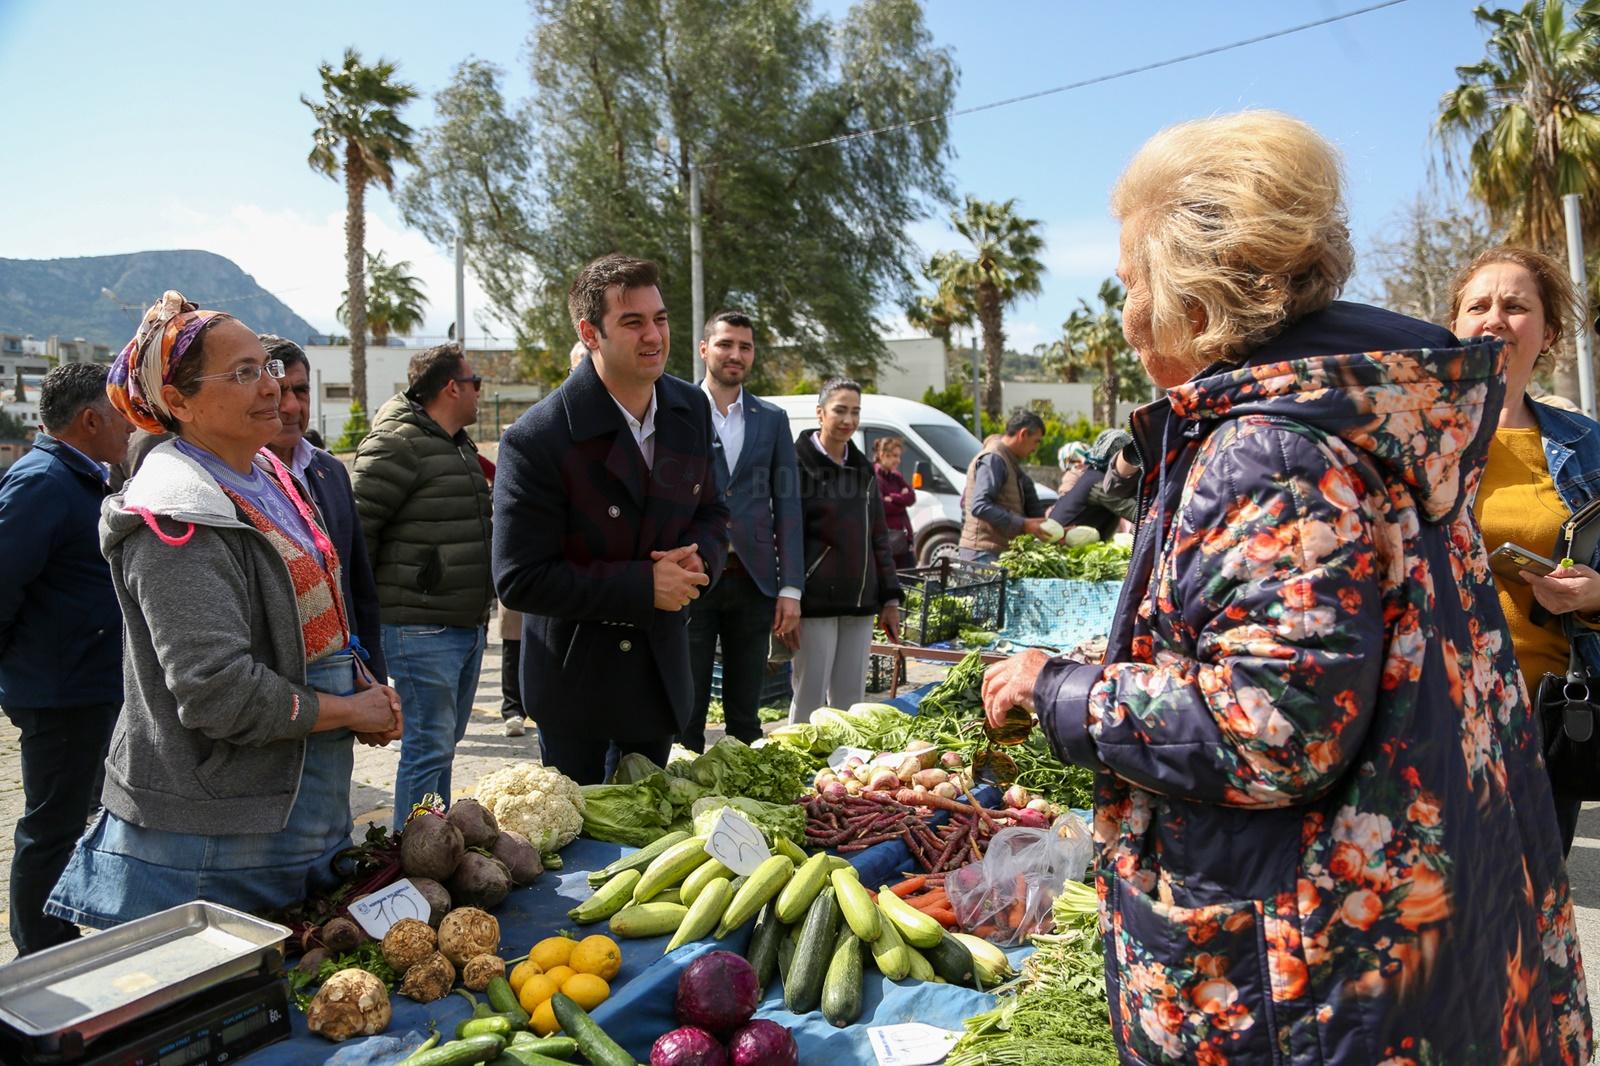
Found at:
<point>850,576</point>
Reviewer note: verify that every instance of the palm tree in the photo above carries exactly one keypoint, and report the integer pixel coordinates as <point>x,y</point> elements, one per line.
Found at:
<point>394,299</point>
<point>1003,267</point>
<point>1092,339</point>
<point>1529,113</point>
<point>359,133</point>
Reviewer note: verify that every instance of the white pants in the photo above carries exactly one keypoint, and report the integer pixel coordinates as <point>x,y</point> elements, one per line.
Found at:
<point>830,666</point>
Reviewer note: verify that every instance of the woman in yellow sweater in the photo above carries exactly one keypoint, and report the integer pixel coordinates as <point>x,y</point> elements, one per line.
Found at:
<point>1544,464</point>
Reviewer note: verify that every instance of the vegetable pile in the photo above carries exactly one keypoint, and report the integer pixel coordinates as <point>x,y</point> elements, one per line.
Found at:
<point>1074,558</point>
<point>716,1002</point>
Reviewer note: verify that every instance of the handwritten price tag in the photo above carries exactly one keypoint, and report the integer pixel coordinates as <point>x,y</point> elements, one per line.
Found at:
<point>736,843</point>
<point>380,910</point>
<point>911,1044</point>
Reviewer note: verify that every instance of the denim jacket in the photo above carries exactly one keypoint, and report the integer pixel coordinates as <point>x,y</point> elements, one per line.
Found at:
<point>1572,452</point>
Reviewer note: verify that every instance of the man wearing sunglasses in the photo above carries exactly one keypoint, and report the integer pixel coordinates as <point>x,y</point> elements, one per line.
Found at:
<point>425,510</point>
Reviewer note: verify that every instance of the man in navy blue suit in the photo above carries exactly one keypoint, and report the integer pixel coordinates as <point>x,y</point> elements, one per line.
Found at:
<point>607,524</point>
<point>758,595</point>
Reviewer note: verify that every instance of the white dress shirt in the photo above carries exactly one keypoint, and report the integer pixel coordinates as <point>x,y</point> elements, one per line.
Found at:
<point>300,461</point>
<point>644,432</point>
<point>730,426</point>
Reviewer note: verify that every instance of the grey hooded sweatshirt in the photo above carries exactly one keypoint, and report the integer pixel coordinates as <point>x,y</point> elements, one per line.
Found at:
<point>216,712</point>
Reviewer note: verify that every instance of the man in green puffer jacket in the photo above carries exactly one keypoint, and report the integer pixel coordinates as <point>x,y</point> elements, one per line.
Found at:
<point>425,509</point>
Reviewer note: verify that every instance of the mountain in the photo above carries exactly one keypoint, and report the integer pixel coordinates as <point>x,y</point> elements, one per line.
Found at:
<point>86,297</point>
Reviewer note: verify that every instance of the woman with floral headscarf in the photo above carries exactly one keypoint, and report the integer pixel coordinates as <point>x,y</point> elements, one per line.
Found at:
<point>229,773</point>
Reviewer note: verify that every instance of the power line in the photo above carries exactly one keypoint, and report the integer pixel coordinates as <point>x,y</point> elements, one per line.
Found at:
<point>1097,80</point>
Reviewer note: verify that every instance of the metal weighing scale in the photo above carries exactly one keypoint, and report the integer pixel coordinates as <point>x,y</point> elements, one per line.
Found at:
<point>196,985</point>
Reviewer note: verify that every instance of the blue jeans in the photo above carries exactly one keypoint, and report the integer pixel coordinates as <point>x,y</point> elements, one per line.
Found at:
<point>973,555</point>
<point>122,871</point>
<point>435,671</point>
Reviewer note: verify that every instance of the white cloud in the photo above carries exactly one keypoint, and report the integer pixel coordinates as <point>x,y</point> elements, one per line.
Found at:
<point>300,258</point>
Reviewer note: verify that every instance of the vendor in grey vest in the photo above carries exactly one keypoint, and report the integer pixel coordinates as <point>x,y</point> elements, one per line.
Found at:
<point>1000,501</point>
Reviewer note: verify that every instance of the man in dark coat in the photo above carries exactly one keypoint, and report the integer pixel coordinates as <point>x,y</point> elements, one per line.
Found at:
<point>607,524</point>
<point>329,483</point>
<point>60,634</point>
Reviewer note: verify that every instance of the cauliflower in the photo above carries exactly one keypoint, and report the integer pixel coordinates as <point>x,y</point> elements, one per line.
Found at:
<point>540,802</point>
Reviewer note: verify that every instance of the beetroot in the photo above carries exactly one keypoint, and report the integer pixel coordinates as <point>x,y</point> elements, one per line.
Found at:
<point>763,1043</point>
<point>687,1047</point>
<point>480,881</point>
<point>719,992</point>
<point>521,858</point>
<point>430,846</point>
<point>476,822</point>
<point>437,896</point>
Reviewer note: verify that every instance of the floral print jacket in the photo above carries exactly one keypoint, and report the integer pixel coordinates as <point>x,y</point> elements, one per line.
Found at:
<point>1325,832</point>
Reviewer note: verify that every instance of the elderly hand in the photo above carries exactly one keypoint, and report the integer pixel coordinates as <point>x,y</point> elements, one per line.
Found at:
<point>1566,589</point>
<point>1010,684</point>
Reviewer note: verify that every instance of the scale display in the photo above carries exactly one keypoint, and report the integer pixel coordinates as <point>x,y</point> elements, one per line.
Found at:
<point>210,1030</point>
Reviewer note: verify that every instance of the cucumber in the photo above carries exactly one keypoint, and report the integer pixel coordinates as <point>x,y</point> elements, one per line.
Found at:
<point>670,867</point>
<point>784,846</point>
<point>611,898</point>
<point>785,959</point>
<point>803,888</point>
<point>648,919</point>
<point>494,1025</point>
<point>762,954</point>
<point>521,1056</point>
<point>919,930</point>
<point>890,954</point>
<point>592,1040</point>
<point>699,878</point>
<point>857,906</point>
<point>767,881</point>
<point>504,1001</point>
<point>702,917</point>
<point>637,860</point>
<point>818,937</point>
<point>952,961</point>
<point>918,968</point>
<point>841,987</point>
<point>468,1052</point>
<point>557,1047</point>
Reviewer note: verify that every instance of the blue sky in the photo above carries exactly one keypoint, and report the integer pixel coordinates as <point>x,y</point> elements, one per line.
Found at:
<point>134,125</point>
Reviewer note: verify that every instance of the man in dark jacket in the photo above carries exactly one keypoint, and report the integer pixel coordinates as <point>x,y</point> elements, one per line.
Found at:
<point>425,509</point>
<point>759,594</point>
<point>1001,502</point>
<point>60,634</point>
<point>329,483</point>
<point>607,525</point>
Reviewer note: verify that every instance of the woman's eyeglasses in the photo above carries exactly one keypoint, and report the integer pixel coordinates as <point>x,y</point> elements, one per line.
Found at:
<point>248,373</point>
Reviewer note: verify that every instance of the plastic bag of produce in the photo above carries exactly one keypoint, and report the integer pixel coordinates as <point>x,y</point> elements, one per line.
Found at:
<point>1008,894</point>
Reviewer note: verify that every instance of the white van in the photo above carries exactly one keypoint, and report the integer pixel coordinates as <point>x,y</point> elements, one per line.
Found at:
<point>938,450</point>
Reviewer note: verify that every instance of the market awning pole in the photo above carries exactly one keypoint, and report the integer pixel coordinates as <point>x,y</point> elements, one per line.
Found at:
<point>697,277</point>
<point>1572,207</point>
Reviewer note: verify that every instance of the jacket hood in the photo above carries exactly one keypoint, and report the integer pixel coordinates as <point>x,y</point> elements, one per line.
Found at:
<point>1423,415</point>
<point>168,485</point>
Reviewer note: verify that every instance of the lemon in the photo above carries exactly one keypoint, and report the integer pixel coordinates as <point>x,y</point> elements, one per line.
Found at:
<point>586,990</point>
<point>552,951</point>
<point>537,989</point>
<point>544,1019</point>
<point>598,955</point>
<point>559,974</point>
<point>521,972</point>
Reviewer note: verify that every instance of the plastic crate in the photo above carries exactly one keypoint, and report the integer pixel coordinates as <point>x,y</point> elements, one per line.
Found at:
<point>776,686</point>
<point>937,601</point>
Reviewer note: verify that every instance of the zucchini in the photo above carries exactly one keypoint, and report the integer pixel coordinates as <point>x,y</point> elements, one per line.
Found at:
<point>857,906</point>
<point>767,881</point>
<point>637,860</point>
<point>669,896</point>
<point>699,878</point>
<point>890,953</point>
<point>818,937</point>
<point>505,1001</point>
<point>918,968</point>
<point>839,862</point>
<point>762,954</point>
<point>468,1052</point>
<point>702,917</point>
<point>920,930</point>
<point>952,961</point>
<point>648,919</point>
<point>784,846</point>
<point>592,1040</point>
<point>803,888</point>
<point>611,898</point>
<point>989,964</point>
<point>556,1047</point>
<point>841,988</point>
<point>670,867</point>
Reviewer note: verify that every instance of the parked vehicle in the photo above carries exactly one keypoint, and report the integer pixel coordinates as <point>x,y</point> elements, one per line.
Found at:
<point>938,450</point>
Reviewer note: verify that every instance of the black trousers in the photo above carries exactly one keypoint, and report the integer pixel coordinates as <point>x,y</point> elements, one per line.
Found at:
<point>737,611</point>
<point>63,766</point>
<point>511,680</point>
<point>589,759</point>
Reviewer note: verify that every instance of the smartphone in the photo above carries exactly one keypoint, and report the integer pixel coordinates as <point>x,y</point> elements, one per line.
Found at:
<point>1509,560</point>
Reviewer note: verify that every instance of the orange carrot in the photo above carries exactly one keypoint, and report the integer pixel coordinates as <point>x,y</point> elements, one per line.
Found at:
<point>909,885</point>
<point>945,915</point>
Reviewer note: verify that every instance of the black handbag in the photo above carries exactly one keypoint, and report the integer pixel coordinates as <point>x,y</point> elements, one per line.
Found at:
<point>1568,706</point>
